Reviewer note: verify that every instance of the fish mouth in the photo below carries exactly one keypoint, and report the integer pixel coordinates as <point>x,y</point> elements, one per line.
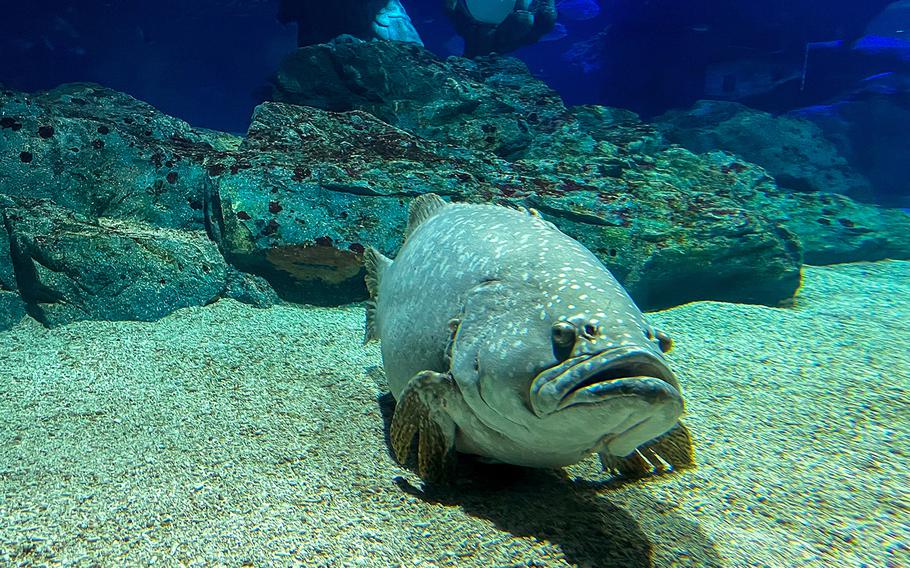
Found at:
<point>620,372</point>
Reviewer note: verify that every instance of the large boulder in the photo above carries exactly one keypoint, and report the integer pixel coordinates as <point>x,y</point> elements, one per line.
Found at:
<point>12,307</point>
<point>792,150</point>
<point>675,227</point>
<point>495,105</point>
<point>870,130</point>
<point>309,189</point>
<point>104,154</point>
<point>112,174</point>
<point>833,228</point>
<point>69,267</point>
<point>492,104</point>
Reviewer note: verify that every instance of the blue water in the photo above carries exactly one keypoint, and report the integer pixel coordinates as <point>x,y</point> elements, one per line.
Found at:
<point>183,56</point>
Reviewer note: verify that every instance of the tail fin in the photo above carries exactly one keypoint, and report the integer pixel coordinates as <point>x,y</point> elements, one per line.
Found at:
<point>375,264</point>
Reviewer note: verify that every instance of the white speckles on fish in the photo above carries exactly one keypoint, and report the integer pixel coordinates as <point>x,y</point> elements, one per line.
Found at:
<point>503,337</point>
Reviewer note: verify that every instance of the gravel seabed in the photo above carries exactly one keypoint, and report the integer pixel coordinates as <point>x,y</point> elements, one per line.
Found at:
<point>229,435</point>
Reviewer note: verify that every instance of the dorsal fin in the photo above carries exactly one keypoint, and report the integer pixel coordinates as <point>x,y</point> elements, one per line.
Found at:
<point>375,264</point>
<point>422,208</point>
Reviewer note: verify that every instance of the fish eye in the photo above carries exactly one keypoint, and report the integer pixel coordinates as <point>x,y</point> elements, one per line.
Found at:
<point>564,334</point>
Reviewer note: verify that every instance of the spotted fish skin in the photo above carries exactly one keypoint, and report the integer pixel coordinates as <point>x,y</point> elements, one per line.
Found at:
<point>539,357</point>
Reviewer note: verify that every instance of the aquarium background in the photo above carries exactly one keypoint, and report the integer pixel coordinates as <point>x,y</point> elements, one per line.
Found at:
<point>843,60</point>
<point>187,197</point>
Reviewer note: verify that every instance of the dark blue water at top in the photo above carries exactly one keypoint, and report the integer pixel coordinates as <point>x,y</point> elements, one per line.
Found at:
<point>209,61</point>
<point>204,61</point>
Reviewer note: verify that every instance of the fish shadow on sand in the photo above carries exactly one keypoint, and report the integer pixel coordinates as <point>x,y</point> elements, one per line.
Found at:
<point>548,505</point>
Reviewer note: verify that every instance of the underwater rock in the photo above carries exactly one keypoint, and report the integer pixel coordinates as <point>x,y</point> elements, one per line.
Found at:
<point>492,104</point>
<point>12,307</point>
<point>672,228</point>
<point>298,200</point>
<point>620,127</point>
<point>792,150</point>
<point>69,267</point>
<point>870,131</point>
<point>309,189</point>
<point>831,228</point>
<point>851,231</point>
<point>102,153</point>
<point>249,289</point>
<point>99,156</point>
<point>834,229</point>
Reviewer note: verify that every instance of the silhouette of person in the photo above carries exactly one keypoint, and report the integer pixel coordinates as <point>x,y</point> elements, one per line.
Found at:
<point>500,26</point>
<point>487,26</point>
<point>319,21</point>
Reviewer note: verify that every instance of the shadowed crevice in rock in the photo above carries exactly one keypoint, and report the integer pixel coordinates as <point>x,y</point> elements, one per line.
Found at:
<point>308,274</point>
<point>69,267</point>
<point>13,306</point>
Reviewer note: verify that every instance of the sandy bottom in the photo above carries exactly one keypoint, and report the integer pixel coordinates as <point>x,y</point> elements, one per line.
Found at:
<point>232,435</point>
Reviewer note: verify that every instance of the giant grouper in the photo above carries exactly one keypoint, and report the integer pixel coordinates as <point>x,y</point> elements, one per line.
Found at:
<point>505,338</point>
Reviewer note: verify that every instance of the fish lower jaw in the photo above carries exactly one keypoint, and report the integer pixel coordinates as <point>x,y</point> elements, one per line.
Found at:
<point>651,390</point>
<point>625,372</point>
<point>641,429</point>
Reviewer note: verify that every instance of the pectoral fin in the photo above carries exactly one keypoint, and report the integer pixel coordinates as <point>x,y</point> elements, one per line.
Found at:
<point>422,411</point>
<point>665,453</point>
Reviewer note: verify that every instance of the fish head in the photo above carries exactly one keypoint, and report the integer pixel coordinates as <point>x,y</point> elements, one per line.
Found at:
<point>544,373</point>
<point>610,373</point>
